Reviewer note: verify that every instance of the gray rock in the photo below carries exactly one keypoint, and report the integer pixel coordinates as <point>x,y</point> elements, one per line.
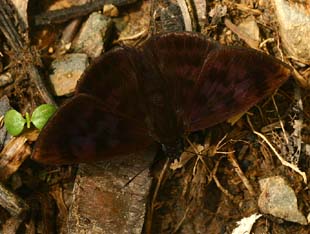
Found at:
<point>294,23</point>
<point>279,200</point>
<point>93,35</point>
<point>250,28</point>
<point>67,71</point>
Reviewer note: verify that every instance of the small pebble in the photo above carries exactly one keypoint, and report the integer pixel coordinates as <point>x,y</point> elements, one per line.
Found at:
<point>5,79</point>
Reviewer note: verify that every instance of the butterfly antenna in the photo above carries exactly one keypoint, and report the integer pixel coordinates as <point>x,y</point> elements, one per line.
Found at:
<point>141,171</point>
<point>135,176</point>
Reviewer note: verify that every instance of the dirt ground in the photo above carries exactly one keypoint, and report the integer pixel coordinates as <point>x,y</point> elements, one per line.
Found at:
<point>207,191</point>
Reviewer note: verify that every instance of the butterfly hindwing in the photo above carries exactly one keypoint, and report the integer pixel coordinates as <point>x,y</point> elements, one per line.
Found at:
<point>85,130</point>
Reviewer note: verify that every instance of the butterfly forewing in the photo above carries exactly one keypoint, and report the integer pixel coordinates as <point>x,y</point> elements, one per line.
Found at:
<point>113,78</point>
<point>231,81</point>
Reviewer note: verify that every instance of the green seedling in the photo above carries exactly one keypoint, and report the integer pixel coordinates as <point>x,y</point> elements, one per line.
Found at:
<point>15,122</point>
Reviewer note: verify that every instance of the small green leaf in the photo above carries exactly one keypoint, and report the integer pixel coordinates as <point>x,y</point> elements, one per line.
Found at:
<point>41,115</point>
<point>14,122</point>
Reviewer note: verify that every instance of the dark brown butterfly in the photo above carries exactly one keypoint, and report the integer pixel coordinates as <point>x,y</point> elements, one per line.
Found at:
<point>176,83</point>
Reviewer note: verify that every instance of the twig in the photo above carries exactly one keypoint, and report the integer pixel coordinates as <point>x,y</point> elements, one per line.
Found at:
<point>176,229</point>
<point>282,160</point>
<point>217,182</point>
<point>143,33</point>
<point>281,122</point>
<point>245,181</point>
<point>63,15</point>
<point>36,78</point>
<point>160,179</point>
<point>264,42</point>
<point>298,123</point>
<point>243,35</point>
<point>148,225</point>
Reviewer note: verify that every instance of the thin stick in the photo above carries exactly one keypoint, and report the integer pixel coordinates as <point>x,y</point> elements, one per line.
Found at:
<point>217,182</point>
<point>245,181</point>
<point>282,160</point>
<point>63,15</point>
<point>148,225</point>
<point>281,122</point>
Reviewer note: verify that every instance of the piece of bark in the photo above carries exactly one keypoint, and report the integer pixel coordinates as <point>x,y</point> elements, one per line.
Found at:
<point>11,225</point>
<point>4,107</point>
<point>11,202</point>
<point>103,202</point>
<point>12,156</point>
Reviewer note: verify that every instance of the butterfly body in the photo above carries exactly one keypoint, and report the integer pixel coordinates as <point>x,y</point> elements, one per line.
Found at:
<point>176,83</point>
